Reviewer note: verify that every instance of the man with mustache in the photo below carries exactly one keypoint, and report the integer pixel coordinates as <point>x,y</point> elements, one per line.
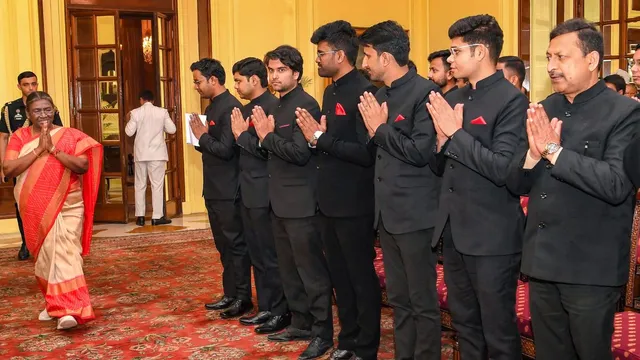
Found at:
<point>480,222</point>
<point>221,187</point>
<point>576,240</point>
<point>406,190</point>
<point>345,191</point>
<point>440,71</point>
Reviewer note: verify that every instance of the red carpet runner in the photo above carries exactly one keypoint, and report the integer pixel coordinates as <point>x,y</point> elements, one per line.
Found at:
<point>148,294</point>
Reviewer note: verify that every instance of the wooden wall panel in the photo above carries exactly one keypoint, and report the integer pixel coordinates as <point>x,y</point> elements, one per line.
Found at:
<point>204,37</point>
<point>204,28</point>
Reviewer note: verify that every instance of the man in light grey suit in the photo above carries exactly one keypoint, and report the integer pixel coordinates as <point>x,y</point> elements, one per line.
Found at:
<point>150,122</point>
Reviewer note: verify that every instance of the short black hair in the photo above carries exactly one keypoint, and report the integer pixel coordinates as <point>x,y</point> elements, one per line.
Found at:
<point>250,66</point>
<point>442,54</point>
<point>412,65</point>
<point>146,95</point>
<point>516,65</point>
<point>617,81</point>
<point>388,36</point>
<point>209,67</point>
<point>289,56</point>
<point>480,29</point>
<point>340,35</point>
<point>589,37</point>
<point>26,75</point>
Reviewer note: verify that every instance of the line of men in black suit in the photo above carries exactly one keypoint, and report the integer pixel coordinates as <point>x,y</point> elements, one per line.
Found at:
<point>297,191</point>
<point>298,195</point>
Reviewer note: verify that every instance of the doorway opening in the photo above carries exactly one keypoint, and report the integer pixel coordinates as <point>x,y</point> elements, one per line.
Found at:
<point>139,72</point>
<point>114,56</point>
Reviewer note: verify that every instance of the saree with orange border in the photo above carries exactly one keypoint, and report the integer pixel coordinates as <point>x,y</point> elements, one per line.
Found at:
<point>57,207</point>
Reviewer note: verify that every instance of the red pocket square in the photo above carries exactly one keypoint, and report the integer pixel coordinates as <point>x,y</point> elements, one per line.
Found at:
<point>251,123</point>
<point>479,121</point>
<point>340,109</point>
<point>212,123</point>
<point>399,118</point>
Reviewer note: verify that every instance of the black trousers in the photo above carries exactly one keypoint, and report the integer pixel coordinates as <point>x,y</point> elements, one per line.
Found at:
<point>304,274</point>
<point>409,265</point>
<point>572,321</point>
<point>482,297</point>
<point>349,251</point>
<point>226,226</point>
<point>20,225</point>
<point>19,218</point>
<point>258,235</point>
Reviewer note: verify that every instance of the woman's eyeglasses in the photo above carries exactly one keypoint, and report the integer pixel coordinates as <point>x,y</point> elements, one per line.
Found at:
<point>43,112</point>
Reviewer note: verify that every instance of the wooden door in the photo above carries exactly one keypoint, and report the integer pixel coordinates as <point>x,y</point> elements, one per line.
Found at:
<point>138,72</point>
<point>168,97</point>
<point>96,102</point>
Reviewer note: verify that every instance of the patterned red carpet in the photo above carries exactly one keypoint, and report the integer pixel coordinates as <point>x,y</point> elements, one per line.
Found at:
<point>148,293</point>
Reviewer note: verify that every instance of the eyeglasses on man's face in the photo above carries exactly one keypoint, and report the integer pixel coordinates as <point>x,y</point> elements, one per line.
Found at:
<point>456,49</point>
<point>323,53</point>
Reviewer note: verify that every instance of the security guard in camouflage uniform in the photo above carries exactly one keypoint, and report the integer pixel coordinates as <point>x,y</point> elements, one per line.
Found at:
<point>13,116</point>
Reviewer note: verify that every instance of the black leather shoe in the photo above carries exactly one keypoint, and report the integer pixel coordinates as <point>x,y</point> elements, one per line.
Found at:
<point>290,334</point>
<point>140,221</point>
<point>343,355</point>
<point>222,304</point>
<point>258,319</point>
<point>274,324</point>
<point>23,254</point>
<point>162,221</point>
<point>238,308</point>
<point>317,347</point>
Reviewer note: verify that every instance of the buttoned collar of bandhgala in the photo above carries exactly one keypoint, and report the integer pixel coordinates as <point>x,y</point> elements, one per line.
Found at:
<point>588,94</point>
<point>260,99</point>
<point>346,78</point>
<point>485,83</point>
<point>220,97</point>
<point>404,79</point>
<point>291,94</point>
